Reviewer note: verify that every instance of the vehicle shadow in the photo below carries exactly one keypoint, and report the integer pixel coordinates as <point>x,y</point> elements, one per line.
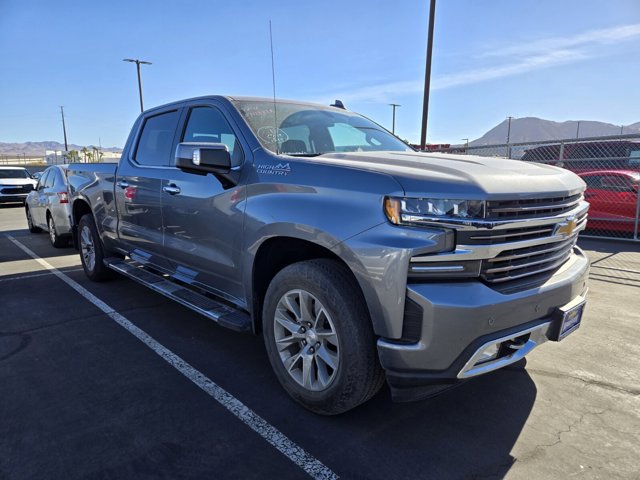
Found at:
<point>466,432</point>
<point>11,205</point>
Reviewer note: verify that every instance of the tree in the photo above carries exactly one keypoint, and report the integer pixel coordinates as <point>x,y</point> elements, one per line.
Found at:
<point>85,151</point>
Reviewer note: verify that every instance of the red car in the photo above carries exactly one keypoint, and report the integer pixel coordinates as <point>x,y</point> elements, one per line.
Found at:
<point>613,195</point>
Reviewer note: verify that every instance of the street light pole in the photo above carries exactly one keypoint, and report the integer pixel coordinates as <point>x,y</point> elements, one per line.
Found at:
<point>64,129</point>
<point>466,140</point>
<point>509,137</point>
<point>393,124</point>
<point>578,130</point>
<point>138,63</point>
<point>427,76</point>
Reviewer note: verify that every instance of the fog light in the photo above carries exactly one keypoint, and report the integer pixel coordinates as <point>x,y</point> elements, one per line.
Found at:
<point>489,353</point>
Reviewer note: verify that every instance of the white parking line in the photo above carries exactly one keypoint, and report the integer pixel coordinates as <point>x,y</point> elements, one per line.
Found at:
<point>33,275</point>
<point>280,441</point>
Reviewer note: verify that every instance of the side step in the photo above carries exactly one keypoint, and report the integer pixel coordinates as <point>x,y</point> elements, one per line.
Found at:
<point>220,313</point>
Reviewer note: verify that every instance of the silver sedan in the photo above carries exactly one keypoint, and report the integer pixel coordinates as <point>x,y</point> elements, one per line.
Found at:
<point>47,207</point>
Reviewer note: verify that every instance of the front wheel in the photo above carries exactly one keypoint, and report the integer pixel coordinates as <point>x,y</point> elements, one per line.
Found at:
<point>319,338</point>
<point>92,250</point>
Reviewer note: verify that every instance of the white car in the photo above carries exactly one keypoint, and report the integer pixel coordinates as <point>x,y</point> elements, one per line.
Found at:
<point>15,184</point>
<point>47,207</point>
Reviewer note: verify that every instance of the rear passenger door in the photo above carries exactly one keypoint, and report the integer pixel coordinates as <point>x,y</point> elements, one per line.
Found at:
<point>138,186</point>
<point>203,219</point>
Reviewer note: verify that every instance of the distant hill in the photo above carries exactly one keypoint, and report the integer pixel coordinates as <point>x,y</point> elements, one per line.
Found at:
<point>531,129</point>
<point>38,148</point>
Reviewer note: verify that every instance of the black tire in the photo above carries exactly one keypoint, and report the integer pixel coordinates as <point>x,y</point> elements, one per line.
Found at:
<point>358,375</point>
<point>30,224</point>
<point>96,270</point>
<point>56,240</point>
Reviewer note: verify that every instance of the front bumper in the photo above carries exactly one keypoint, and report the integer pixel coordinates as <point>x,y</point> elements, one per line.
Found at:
<point>459,318</point>
<point>13,197</point>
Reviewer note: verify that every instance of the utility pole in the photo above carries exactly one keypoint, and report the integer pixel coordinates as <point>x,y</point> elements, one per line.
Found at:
<point>138,63</point>
<point>393,124</point>
<point>509,137</point>
<point>578,130</point>
<point>621,129</point>
<point>427,76</point>
<point>64,129</point>
<point>466,146</point>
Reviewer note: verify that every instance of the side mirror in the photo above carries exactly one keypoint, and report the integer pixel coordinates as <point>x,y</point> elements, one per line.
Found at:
<point>203,158</point>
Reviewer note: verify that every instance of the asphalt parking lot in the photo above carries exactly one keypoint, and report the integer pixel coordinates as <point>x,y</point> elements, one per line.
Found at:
<point>83,397</point>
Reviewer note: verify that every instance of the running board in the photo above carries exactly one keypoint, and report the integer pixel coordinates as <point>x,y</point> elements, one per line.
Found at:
<point>220,313</point>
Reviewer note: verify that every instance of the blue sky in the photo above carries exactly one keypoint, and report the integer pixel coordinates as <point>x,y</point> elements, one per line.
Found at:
<point>554,59</point>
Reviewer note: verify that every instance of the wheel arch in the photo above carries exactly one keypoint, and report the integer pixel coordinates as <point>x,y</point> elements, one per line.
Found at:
<point>276,253</point>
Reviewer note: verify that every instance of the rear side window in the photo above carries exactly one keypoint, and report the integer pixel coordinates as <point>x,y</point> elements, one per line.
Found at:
<point>51,179</point>
<point>207,124</point>
<point>43,179</point>
<point>154,145</point>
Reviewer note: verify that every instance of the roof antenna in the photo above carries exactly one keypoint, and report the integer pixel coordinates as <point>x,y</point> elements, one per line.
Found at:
<point>338,104</point>
<point>273,80</point>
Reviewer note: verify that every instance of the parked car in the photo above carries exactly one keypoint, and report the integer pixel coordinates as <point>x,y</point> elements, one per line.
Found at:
<point>357,259</point>
<point>613,195</point>
<point>15,184</point>
<point>47,207</point>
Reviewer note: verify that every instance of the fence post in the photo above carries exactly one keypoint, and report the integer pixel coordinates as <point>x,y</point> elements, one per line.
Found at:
<point>561,156</point>
<point>635,227</point>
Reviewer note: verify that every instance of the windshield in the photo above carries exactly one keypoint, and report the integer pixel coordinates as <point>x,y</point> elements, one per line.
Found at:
<point>17,173</point>
<point>310,130</point>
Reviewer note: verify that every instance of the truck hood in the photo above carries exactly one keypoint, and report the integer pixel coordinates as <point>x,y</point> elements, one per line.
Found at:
<point>463,176</point>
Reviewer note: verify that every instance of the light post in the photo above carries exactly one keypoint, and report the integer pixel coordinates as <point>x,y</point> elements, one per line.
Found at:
<point>427,75</point>
<point>578,130</point>
<point>393,124</point>
<point>509,137</point>
<point>466,143</point>
<point>64,129</point>
<point>138,63</point>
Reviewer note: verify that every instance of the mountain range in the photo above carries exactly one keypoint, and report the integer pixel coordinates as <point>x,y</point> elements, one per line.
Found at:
<point>532,129</point>
<point>527,129</point>
<point>33,149</point>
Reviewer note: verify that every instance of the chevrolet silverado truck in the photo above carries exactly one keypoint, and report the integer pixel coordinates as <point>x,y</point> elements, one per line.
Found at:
<point>358,259</point>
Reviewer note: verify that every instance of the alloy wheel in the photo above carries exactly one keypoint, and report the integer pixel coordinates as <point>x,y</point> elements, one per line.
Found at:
<point>306,340</point>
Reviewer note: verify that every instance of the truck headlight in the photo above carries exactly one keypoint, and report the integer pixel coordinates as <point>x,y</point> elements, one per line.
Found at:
<point>408,211</point>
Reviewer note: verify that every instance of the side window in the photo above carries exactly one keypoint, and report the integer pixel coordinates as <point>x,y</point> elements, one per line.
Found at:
<point>348,138</point>
<point>50,180</point>
<point>42,179</point>
<point>154,145</point>
<point>616,183</point>
<point>593,181</point>
<point>206,124</point>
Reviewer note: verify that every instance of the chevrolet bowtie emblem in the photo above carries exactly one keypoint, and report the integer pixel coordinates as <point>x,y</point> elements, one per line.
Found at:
<point>566,228</point>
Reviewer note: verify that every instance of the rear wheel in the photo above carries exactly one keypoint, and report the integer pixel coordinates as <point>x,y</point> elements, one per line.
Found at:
<point>56,240</point>
<point>31,225</point>
<point>92,250</point>
<point>319,338</point>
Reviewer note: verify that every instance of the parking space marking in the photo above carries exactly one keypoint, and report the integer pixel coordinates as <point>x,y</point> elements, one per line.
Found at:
<point>268,432</point>
<point>33,275</point>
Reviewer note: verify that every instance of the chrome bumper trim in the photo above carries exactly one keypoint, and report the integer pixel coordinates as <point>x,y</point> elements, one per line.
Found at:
<point>538,335</point>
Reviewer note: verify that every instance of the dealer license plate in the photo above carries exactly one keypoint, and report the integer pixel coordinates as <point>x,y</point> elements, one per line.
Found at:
<point>571,320</point>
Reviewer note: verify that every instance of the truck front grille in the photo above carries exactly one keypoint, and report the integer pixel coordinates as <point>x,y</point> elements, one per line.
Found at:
<point>15,189</point>
<point>532,208</point>
<point>496,236</point>
<point>524,262</point>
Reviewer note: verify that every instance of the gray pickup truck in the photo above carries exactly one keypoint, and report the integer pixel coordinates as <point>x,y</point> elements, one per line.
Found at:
<point>358,259</point>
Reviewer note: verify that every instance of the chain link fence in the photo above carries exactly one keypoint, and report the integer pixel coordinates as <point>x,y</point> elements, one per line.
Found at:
<point>610,166</point>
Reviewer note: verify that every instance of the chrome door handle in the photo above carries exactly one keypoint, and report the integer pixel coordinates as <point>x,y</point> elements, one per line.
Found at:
<point>171,189</point>
<point>122,184</point>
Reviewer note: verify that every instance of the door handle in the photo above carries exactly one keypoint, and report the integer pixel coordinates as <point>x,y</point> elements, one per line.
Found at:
<point>171,189</point>
<point>122,184</point>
